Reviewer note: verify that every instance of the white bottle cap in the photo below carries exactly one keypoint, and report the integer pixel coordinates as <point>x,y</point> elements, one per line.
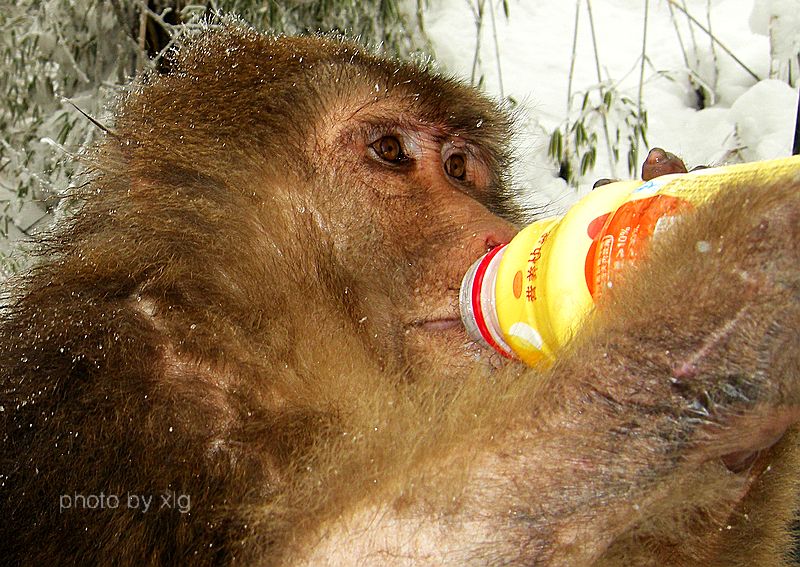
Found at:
<point>477,302</point>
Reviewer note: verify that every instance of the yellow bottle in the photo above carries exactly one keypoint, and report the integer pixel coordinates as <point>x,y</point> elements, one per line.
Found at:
<point>527,298</point>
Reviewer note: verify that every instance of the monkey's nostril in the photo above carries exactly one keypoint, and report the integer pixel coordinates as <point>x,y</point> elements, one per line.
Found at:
<point>492,244</point>
<point>493,239</point>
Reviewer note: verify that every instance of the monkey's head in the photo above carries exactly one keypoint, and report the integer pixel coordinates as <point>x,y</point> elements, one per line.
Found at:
<point>273,173</point>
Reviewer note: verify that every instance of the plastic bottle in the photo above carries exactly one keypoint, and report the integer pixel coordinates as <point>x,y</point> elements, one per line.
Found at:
<point>527,298</point>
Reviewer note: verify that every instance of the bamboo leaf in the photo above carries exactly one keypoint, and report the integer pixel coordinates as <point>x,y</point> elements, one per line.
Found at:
<point>555,146</point>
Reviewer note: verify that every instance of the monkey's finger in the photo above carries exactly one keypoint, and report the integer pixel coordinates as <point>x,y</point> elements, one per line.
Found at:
<point>660,162</point>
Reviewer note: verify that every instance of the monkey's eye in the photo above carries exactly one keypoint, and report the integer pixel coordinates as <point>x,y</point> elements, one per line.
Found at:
<point>389,149</point>
<point>456,166</point>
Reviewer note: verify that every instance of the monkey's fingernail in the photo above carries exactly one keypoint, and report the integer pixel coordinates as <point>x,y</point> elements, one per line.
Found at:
<point>601,182</point>
<point>656,155</point>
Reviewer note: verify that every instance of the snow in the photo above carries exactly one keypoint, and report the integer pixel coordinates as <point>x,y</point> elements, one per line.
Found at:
<point>762,115</point>
<point>744,119</point>
<point>527,56</point>
<point>782,19</point>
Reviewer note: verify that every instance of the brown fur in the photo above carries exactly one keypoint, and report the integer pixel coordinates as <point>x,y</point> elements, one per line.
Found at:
<point>236,313</point>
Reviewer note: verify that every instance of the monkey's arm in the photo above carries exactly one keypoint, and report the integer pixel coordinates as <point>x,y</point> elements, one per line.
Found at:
<point>659,421</point>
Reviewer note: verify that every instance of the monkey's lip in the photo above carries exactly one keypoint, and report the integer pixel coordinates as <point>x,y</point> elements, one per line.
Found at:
<point>439,324</point>
<point>444,316</point>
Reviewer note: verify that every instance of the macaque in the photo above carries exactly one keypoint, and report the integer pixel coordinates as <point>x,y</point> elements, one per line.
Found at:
<point>244,346</point>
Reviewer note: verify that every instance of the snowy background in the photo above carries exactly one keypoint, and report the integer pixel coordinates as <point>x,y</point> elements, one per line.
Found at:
<point>727,99</point>
<point>744,118</point>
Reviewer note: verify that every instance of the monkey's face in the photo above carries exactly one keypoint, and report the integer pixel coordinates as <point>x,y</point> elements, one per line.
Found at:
<point>383,181</point>
<point>413,212</point>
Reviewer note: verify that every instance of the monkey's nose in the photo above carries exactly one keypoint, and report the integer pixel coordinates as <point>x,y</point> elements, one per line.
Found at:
<point>491,242</point>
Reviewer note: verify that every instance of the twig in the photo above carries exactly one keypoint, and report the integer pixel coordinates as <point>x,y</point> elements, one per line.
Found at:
<point>176,32</point>
<point>420,14</point>
<point>81,75</point>
<point>573,57</point>
<point>571,75</point>
<point>715,40</point>
<point>602,90</point>
<point>497,52</point>
<point>142,35</point>
<point>698,83</point>
<point>680,37</point>
<point>691,34</point>
<point>478,13</point>
<point>641,70</point>
<point>714,55</point>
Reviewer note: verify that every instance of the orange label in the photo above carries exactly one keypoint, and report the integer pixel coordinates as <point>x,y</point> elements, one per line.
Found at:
<point>623,235</point>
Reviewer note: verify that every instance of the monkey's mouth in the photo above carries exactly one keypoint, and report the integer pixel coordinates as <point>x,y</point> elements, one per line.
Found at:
<point>445,316</point>
<point>444,324</point>
<point>449,333</point>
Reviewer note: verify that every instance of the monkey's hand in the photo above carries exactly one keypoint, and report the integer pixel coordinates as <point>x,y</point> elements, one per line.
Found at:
<point>657,163</point>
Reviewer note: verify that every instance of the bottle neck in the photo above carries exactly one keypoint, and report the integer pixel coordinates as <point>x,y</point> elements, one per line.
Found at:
<point>477,302</point>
